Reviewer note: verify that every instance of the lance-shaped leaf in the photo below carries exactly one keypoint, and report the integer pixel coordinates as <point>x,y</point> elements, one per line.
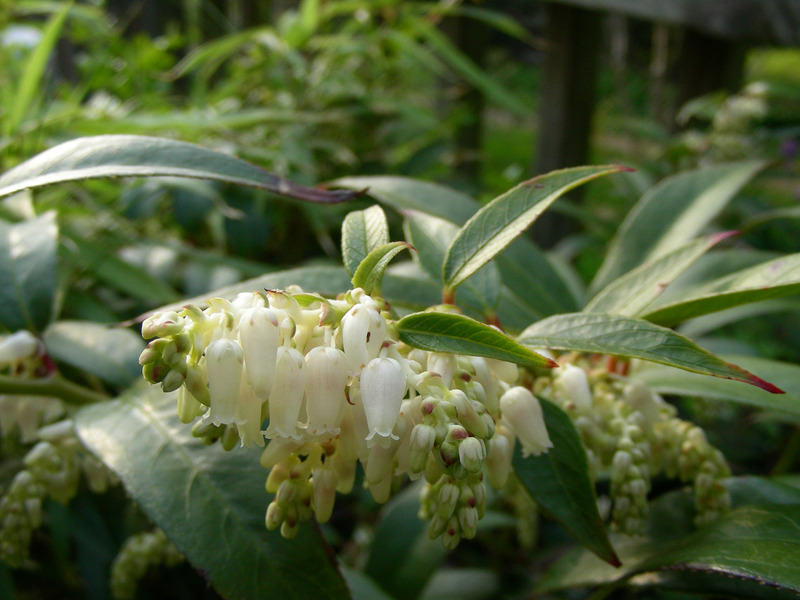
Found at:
<point>28,272</point>
<point>671,214</point>
<point>559,482</point>
<point>786,376</point>
<point>369,273</point>
<point>404,194</point>
<point>632,338</point>
<point>431,236</point>
<point>210,503</point>
<point>496,225</point>
<point>448,332</point>
<point>633,292</point>
<point>107,156</point>
<point>758,544</point>
<point>772,279</point>
<point>362,232</point>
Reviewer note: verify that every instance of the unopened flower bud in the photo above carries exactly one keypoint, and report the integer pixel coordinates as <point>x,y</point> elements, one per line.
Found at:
<point>471,453</point>
<point>162,324</point>
<point>422,440</point>
<point>324,482</point>
<point>573,382</point>
<point>18,346</point>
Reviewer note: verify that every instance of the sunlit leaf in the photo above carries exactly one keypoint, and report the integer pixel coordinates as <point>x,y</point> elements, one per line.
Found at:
<point>362,232</point>
<point>369,273</point>
<point>210,503</point>
<point>496,225</point>
<point>448,332</point>
<point>107,156</point>
<point>633,338</point>
<point>670,215</point>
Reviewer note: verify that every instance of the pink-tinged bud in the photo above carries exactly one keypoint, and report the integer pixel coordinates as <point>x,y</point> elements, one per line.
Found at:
<point>522,413</point>
<point>326,376</point>
<point>224,363</point>
<point>574,384</point>
<point>467,415</point>
<point>162,324</point>
<point>18,346</point>
<point>286,396</point>
<point>259,337</point>
<point>383,385</point>
<point>444,365</point>
<point>363,333</point>
<point>324,495</point>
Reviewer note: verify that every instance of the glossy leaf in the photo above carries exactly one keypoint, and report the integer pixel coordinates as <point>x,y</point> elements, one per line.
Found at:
<point>633,338</point>
<point>211,503</point>
<point>28,272</point>
<point>633,292</point>
<point>431,237</point>
<point>108,352</point>
<point>404,194</point>
<point>107,156</point>
<point>496,225</point>
<point>362,232</point>
<point>755,543</point>
<point>670,215</point>
<point>786,376</point>
<point>369,273</point>
<point>559,482</point>
<point>772,279</point>
<point>448,332</point>
<point>534,280</point>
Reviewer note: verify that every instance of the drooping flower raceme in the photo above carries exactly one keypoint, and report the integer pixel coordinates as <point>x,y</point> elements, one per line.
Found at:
<point>338,388</point>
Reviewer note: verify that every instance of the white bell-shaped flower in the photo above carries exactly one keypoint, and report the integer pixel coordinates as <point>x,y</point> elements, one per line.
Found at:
<point>326,376</point>
<point>18,346</point>
<point>224,363</point>
<point>259,336</point>
<point>574,384</point>
<point>363,334</point>
<point>383,385</point>
<point>286,397</point>
<point>522,413</point>
<point>248,415</point>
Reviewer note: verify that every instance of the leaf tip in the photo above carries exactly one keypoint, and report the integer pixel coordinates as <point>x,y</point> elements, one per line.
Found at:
<point>748,377</point>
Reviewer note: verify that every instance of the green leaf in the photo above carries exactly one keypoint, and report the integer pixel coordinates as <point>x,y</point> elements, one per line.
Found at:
<point>28,272</point>
<point>632,293</point>
<point>361,586</point>
<point>448,332</point>
<point>559,482</point>
<point>328,280</point>
<point>670,215</point>
<point>632,338</point>
<point>772,279</point>
<point>110,353</point>
<point>402,556</point>
<point>35,66</point>
<point>211,503</point>
<point>754,543</point>
<point>362,232</point>
<point>786,376</point>
<point>369,273</point>
<point>404,194</point>
<point>107,156</point>
<point>533,280</point>
<point>431,236</point>
<point>496,225</point>
<point>117,273</point>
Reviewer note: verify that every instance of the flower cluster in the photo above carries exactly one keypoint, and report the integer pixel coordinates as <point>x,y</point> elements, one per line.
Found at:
<point>139,554</point>
<point>53,465</point>
<point>631,435</point>
<point>338,388</point>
